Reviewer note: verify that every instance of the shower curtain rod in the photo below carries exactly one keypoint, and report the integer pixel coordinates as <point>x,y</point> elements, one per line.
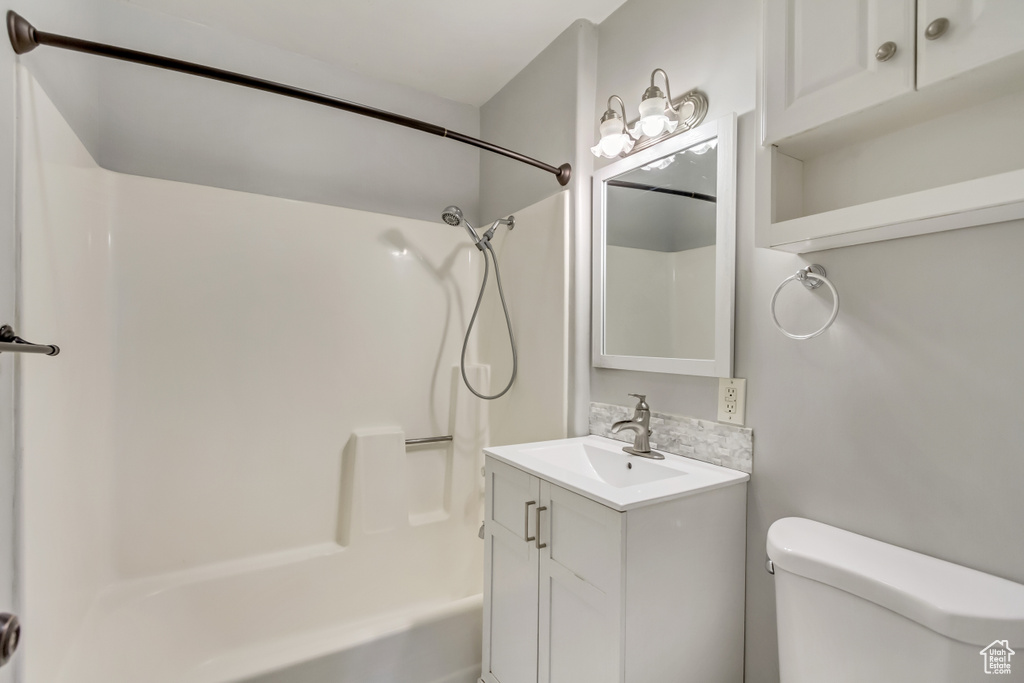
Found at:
<point>25,38</point>
<point>663,190</point>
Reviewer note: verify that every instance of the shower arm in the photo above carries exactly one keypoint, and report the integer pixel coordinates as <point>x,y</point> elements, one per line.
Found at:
<point>25,38</point>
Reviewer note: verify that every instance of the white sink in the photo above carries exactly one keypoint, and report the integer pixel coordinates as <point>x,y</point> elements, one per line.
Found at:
<point>598,468</point>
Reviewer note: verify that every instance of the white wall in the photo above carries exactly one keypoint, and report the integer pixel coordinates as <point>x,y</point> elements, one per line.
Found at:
<point>9,588</point>
<point>8,284</point>
<point>46,10</point>
<point>219,350</point>
<point>149,122</point>
<point>65,419</point>
<point>893,423</point>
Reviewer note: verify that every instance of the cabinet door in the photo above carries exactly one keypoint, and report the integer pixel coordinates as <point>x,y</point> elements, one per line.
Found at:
<point>580,590</point>
<point>820,60</point>
<point>980,32</point>
<point>510,575</point>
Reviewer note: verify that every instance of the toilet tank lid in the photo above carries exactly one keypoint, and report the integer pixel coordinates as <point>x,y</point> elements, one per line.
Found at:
<point>960,603</point>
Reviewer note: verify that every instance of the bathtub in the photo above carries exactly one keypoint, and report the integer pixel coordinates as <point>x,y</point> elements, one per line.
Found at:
<point>441,644</point>
<point>278,619</point>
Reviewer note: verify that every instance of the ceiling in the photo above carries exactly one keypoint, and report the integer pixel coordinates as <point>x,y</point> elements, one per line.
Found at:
<point>464,50</point>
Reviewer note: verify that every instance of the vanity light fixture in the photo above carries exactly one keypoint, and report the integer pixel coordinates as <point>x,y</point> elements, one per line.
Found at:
<point>615,140</point>
<point>660,117</point>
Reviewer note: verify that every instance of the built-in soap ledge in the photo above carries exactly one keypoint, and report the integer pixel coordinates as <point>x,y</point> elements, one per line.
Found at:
<point>714,442</point>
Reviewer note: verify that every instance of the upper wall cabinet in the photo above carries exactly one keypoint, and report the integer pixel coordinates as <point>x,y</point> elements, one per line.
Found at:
<point>888,118</point>
<point>827,60</point>
<point>820,59</point>
<point>956,36</point>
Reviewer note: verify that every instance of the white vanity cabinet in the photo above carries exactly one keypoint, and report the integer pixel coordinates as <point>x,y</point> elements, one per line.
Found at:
<point>577,591</point>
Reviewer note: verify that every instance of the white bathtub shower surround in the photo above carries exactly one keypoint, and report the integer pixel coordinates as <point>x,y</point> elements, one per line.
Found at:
<point>534,260</point>
<point>199,499</point>
<point>670,295</point>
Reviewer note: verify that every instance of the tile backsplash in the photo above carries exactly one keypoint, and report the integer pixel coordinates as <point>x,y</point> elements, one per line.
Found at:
<point>721,444</point>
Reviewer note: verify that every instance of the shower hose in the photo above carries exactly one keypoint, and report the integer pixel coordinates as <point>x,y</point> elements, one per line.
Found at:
<point>508,324</point>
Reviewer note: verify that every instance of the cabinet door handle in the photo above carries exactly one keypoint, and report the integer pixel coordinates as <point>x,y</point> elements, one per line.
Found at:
<point>886,51</point>
<point>540,545</point>
<point>526,522</point>
<point>937,28</point>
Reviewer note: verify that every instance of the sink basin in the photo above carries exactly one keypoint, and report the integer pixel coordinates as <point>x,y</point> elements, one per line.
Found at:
<point>597,462</point>
<point>598,468</point>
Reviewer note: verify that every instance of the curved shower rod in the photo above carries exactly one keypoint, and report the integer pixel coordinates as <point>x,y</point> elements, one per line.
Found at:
<point>25,38</point>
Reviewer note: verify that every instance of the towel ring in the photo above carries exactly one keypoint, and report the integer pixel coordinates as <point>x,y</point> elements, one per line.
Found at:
<point>804,276</point>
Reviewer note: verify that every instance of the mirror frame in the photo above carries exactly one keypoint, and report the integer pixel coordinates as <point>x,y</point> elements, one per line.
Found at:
<point>725,255</point>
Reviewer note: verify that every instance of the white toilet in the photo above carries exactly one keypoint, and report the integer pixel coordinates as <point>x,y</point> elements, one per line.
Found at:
<point>851,609</point>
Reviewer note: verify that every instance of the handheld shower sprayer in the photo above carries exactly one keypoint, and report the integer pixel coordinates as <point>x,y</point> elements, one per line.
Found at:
<point>453,217</point>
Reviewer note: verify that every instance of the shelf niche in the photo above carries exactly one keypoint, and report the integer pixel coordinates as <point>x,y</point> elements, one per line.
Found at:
<point>954,170</point>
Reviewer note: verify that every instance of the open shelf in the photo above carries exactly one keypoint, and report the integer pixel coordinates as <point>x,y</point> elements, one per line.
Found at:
<point>961,169</point>
<point>981,201</point>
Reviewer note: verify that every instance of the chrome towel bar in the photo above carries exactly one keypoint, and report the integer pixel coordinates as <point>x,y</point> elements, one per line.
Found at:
<point>428,439</point>
<point>9,341</point>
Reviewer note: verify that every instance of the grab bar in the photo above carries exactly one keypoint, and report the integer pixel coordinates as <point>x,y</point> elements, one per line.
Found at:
<point>428,439</point>
<point>9,341</point>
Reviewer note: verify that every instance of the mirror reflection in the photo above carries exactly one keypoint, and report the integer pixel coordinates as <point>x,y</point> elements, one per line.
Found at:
<point>660,232</point>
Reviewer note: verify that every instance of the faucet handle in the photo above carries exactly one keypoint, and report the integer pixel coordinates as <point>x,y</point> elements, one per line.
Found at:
<point>641,403</point>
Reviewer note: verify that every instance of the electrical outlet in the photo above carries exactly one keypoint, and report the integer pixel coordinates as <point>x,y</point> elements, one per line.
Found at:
<point>732,400</point>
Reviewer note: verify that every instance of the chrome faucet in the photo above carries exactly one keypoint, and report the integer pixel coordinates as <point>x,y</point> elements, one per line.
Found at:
<point>640,425</point>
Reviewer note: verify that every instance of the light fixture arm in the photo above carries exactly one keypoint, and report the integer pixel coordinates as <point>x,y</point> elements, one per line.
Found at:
<point>668,89</point>
<point>622,107</point>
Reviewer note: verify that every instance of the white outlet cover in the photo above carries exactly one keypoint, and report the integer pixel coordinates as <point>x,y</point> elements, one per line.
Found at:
<point>730,411</point>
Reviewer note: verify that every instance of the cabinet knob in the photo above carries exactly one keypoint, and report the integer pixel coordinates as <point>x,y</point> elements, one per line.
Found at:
<point>886,51</point>
<point>10,634</point>
<point>937,28</point>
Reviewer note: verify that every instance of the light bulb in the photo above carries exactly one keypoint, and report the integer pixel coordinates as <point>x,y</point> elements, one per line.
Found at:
<point>613,141</point>
<point>652,116</point>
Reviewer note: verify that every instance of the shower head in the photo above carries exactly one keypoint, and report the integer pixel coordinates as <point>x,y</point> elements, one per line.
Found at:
<point>452,216</point>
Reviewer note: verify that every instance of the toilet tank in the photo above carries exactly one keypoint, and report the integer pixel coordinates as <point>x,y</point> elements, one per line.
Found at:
<point>851,609</point>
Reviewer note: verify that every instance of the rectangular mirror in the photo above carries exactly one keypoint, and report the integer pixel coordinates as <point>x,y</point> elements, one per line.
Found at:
<point>665,255</point>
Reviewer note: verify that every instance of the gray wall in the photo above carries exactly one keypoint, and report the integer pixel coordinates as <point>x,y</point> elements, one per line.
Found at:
<point>148,122</point>
<point>904,421</point>
<point>539,112</point>
<point>535,113</point>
